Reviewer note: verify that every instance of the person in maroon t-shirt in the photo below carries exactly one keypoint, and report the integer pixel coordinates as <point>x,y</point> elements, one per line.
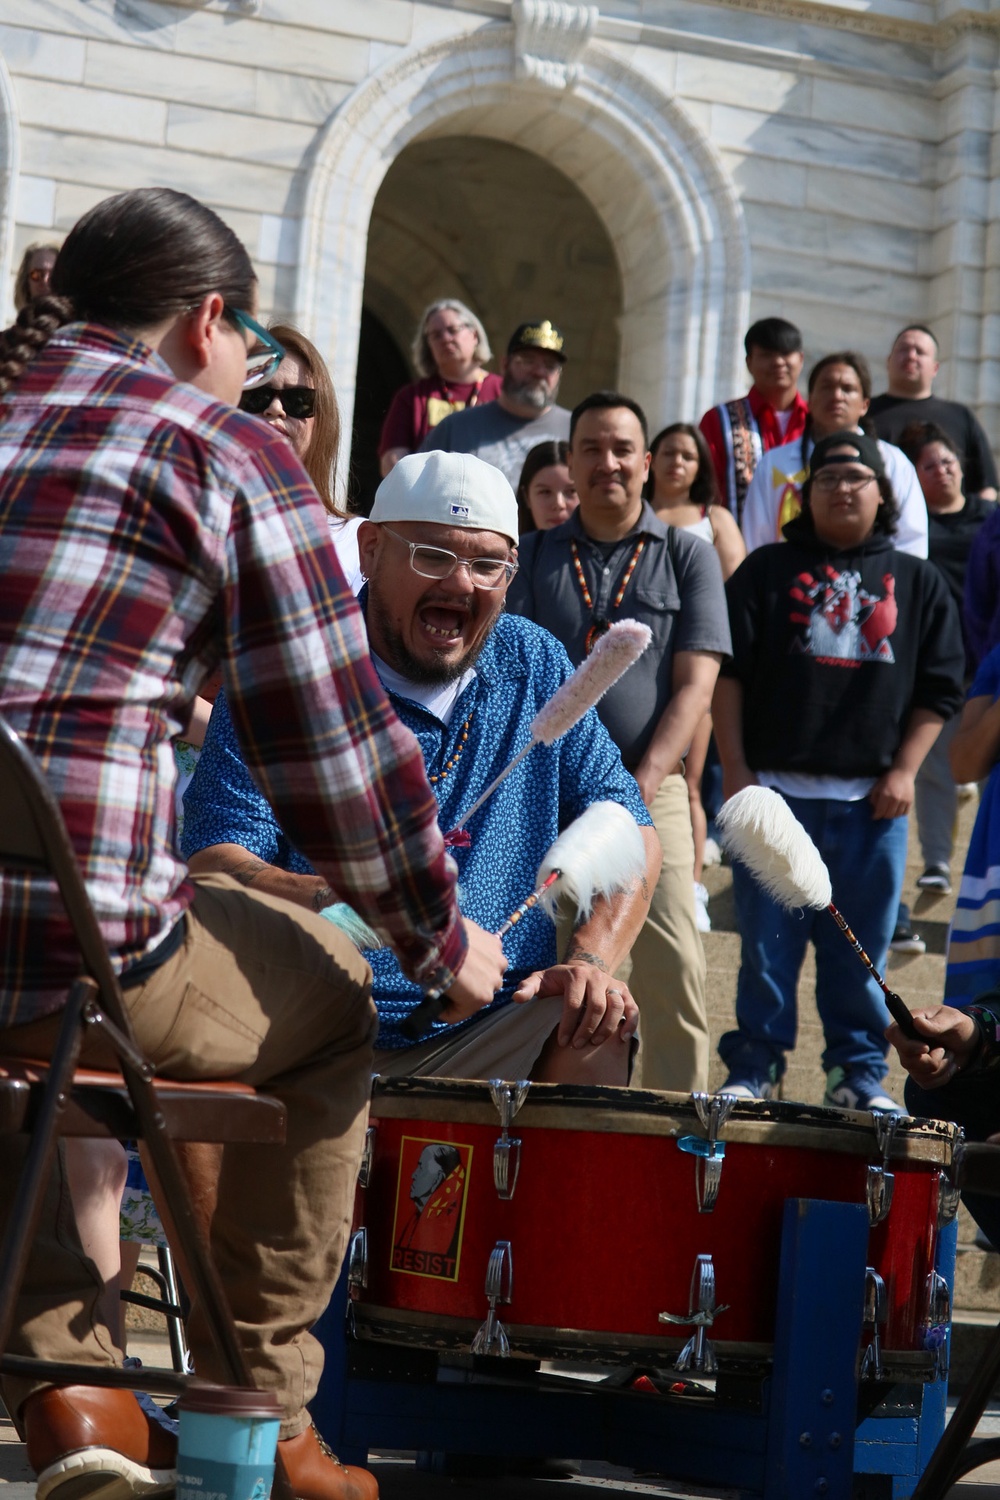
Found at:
<point>450,350</point>
<point>739,432</point>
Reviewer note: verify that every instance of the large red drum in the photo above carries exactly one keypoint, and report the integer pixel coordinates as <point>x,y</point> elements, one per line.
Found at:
<point>586,1213</point>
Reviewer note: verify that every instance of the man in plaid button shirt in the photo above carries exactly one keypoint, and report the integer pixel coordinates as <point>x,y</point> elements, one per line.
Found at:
<point>148,533</point>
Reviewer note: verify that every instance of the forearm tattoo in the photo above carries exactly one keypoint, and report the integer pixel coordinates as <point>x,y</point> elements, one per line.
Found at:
<point>248,870</point>
<point>580,955</point>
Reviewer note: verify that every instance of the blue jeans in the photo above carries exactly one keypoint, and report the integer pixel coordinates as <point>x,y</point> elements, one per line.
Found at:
<point>866,859</point>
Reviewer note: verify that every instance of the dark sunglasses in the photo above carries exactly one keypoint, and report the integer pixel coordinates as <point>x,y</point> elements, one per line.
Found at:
<point>297,400</point>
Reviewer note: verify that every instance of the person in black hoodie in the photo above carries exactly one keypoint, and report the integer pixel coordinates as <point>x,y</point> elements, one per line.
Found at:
<point>847,659</point>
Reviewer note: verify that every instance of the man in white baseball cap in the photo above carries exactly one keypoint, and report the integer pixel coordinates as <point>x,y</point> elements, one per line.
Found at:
<point>438,552</point>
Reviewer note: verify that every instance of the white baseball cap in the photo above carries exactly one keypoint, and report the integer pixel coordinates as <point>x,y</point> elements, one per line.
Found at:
<point>450,489</point>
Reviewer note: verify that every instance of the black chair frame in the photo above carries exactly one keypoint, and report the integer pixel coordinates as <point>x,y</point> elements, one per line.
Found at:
<point>55,1098</point>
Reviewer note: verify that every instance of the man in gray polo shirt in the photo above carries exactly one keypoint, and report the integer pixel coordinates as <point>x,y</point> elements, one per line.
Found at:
<point>503,432</point>
<point>613,559</point>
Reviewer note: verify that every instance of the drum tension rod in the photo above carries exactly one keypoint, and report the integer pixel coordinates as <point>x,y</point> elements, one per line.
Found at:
<point>713,1110</point>
<point>492,1337</point>
<point>508,1098</point>
<point>880,1181</point>
<point>698,1354</point>
<point>876,1314</point>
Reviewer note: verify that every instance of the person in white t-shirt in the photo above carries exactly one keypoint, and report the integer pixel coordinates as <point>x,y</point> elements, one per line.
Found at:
<point>840,388</point>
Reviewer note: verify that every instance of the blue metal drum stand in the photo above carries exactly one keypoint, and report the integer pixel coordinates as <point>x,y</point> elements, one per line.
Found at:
<point>820,1422</point>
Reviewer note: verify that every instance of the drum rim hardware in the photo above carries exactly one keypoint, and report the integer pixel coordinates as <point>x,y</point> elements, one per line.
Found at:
<point>698,1354</point>
<point>875,1316</point>
<point>507,1098</point>
<point>713,1110</point>
<point>949,1185</point>
<point>367,1156</point>
<point>937,1324</point>
<point>492,1336</point>
<point>880,1182</point>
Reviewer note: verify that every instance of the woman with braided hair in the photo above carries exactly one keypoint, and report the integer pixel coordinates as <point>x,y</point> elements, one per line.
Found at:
<point>150,531</point>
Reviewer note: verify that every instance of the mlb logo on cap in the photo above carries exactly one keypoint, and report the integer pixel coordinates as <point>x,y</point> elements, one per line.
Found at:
<point>447,489</point>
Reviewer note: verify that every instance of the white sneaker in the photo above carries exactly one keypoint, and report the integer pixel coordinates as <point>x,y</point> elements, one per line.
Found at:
<point>712,854</point>
<point>967,790</point>
<point>702,920</point>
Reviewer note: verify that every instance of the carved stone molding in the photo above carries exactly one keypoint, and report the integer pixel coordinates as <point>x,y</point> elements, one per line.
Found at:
<point>934,36</point>
<point>549,39</point>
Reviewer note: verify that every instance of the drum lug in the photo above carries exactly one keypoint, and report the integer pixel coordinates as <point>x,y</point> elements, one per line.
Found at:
<point>875,1314</point>
<point>938,1323</point>
<point>357,1261</point>
<point>492,1337</point>
<point>878,1191</point>
<point>713,1110</point>
<point>508,1098</point>
<point>698,1353</point>
<point>367,1157</point>
<point>949,1193</point>
<point>506,1165</point>
<point>880,1183</point>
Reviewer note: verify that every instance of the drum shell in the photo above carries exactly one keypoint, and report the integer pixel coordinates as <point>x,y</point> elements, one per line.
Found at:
<point>604,1225</point>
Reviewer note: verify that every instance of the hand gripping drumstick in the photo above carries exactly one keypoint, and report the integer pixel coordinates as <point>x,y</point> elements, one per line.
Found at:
<point>759,828</point>
<point>599,854</point>
<point>616,650</point>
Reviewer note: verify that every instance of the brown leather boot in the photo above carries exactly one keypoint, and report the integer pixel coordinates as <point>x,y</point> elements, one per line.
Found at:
<point>81,1438</point>
<point>314,1473</point>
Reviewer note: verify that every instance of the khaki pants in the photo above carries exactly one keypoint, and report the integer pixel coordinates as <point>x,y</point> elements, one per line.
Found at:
<point>263,991</point>
<point>666,969</point>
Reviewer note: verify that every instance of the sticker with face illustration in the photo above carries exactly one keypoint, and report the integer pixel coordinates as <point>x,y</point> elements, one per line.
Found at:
<point>430,1207</point>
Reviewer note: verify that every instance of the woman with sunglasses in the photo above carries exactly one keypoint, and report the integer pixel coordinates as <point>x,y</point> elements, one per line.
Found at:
<point>299,401</point>
<point>34,273</point>
<point>149,532</point>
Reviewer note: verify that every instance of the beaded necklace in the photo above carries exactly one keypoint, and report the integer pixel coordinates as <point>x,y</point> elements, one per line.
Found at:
<point>450,765</point>
<point>600,627</point>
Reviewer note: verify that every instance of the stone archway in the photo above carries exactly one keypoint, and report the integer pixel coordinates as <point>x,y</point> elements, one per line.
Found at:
<point>652,177</point>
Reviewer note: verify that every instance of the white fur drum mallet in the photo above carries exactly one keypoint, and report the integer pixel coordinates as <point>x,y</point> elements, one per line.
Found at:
<point>759,828</point>
<point>621,645</point>
<point>600,854</point>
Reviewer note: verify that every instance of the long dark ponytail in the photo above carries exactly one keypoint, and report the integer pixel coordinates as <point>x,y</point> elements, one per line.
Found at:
<point>132,262</point>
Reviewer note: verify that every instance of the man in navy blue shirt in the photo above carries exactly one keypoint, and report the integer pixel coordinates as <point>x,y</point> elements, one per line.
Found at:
<point>467,680</point>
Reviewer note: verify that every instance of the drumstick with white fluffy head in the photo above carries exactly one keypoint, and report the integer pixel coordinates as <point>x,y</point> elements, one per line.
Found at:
<point>616,650</point>
<point>759,828</point>
<point>601,853</point>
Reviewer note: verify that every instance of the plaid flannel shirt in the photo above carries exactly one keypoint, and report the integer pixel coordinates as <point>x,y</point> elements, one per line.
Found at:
<point>147,534</point>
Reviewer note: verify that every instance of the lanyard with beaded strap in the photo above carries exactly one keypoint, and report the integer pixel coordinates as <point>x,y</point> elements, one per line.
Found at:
<point>599,627</point>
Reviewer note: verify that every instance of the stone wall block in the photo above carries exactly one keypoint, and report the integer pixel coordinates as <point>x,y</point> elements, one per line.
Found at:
<point>42,54</point>
<point>160,75</point>
<point>83,111</point>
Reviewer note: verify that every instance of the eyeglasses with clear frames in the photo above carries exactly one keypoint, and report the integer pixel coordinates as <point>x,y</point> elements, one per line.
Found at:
<point>853,480</point>
<point>438,562</point>
<point>264,359</point>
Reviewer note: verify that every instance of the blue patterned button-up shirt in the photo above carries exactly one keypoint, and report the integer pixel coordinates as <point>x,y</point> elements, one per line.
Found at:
<point>520,668</point>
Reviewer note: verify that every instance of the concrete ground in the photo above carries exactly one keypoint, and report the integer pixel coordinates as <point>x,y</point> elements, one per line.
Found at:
<point>919,979</point>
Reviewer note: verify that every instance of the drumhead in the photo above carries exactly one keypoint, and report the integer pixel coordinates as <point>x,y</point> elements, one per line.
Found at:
<point>604,1109</point>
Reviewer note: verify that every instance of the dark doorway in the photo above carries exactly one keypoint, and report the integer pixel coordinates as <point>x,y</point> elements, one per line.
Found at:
<point>381,371</point>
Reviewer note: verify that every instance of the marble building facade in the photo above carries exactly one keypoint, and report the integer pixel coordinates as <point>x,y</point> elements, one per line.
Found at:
<point>650,173</point>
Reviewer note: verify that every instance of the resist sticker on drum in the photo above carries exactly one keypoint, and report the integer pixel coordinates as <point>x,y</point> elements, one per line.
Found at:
<point>430,1207</point>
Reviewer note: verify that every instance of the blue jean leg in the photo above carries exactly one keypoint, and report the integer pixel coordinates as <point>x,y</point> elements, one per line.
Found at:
<point>866,858</point>
<point>773,945</point>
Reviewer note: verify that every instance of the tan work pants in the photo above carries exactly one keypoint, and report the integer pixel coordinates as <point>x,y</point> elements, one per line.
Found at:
<point>263,991</point>
<point>666,969</point>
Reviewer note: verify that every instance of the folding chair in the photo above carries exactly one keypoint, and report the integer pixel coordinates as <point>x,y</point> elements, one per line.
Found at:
<point>53,1097</point>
